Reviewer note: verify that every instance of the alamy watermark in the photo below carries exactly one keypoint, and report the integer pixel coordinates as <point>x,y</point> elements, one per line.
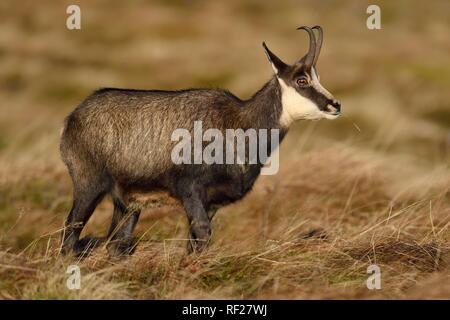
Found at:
<point>73,21</point>
<point>252,146</point>
<point>373,22</point>
<point>74,280</point>
<point>374,280</point>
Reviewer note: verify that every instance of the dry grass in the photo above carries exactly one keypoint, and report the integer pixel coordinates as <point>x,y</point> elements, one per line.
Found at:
<point>370,188</point>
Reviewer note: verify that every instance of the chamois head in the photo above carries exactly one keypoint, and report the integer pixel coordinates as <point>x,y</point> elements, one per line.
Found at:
<point>303,97</point>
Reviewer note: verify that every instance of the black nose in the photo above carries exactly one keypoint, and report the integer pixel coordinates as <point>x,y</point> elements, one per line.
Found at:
<point>336,104</point>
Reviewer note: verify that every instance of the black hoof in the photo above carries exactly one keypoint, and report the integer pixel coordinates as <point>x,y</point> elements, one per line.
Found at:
<point>196,245</point>
<point>121,247</point>
<point>86,245</point>
<point>199,236</point>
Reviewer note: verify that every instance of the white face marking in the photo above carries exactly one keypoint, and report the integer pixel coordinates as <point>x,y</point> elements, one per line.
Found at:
<point>296,107</point>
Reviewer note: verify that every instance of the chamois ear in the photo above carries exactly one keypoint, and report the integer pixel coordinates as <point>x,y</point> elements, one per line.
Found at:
<point>277,64</point>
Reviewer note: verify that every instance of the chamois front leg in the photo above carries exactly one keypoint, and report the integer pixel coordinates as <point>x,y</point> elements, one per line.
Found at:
<point>199,222</point>
<point>212,210</point>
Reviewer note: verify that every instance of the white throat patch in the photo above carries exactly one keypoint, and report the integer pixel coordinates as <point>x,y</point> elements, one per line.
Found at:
<point>295,106</point>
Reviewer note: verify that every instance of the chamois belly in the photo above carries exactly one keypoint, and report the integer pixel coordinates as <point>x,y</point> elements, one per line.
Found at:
<point>234,187</point>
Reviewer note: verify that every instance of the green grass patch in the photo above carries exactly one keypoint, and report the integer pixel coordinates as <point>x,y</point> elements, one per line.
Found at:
<point>35,193</point>
<point>237,272</point>
<point>435,74</point>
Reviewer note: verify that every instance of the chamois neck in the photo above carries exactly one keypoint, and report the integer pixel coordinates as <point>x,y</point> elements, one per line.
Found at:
<point>263,109</point>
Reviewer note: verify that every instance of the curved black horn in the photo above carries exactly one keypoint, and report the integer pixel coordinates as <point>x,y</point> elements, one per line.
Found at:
<point>309,58</point>
<point>318,43</point>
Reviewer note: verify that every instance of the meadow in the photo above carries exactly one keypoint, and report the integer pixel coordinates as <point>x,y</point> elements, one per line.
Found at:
<point>372,187</point>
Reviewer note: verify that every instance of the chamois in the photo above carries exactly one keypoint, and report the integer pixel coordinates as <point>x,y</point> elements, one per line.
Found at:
<point>118,141</point>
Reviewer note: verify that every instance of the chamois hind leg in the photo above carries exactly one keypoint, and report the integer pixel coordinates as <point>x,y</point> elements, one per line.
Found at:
<point>199,222</point>
<point>88,191</point>
<point>125,217</point>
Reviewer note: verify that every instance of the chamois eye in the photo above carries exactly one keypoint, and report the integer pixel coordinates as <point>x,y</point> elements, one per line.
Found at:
<point>302,82</point>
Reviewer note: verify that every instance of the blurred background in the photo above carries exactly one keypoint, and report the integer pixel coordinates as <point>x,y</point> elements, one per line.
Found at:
<point>393,84</point>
